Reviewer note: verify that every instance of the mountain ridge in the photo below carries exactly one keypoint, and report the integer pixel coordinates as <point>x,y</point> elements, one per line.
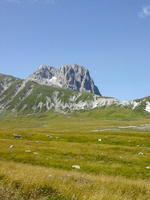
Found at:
<point>29,97</point>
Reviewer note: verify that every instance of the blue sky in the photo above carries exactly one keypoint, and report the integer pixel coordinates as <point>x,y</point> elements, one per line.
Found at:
<point>111,38</point>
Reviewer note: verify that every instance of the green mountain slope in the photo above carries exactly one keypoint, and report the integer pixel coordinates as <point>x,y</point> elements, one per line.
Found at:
<point>26,97</point>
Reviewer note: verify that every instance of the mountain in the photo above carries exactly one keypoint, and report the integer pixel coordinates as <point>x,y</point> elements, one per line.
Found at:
<point>74,77</point>
<point>31,96</point>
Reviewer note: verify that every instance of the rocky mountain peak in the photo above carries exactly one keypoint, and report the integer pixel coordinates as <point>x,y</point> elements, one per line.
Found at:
<point>74,77</point>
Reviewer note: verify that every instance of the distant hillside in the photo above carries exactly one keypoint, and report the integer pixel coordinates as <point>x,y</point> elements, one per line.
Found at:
<point>27,97</point>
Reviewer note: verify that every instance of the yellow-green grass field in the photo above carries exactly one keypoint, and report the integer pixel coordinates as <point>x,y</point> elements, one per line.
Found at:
<point>39,164</point>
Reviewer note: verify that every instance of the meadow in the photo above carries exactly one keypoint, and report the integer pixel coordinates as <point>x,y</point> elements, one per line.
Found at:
<point>112,157</point>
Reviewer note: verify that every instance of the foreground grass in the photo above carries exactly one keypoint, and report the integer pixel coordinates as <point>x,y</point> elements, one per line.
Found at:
<point>24,181</point>
<point>113,168</point>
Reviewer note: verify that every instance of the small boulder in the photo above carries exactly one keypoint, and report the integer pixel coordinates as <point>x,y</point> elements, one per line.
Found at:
<point>37,142</point>
<point>49,136</point>
<point>17,136</point>
<point>28,151</point>
<point>148,167</point>
<point>140,153</point>
<point>76,166</point>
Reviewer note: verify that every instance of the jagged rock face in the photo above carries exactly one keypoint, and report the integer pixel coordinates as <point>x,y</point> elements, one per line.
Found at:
<point>74,77</point>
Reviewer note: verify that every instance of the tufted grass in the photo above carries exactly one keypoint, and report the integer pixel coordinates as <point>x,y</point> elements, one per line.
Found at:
<point>109,169</point>
<point>24,181</point>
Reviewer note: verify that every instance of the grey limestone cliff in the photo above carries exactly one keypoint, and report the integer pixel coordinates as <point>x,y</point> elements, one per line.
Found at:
<point>74,77</point>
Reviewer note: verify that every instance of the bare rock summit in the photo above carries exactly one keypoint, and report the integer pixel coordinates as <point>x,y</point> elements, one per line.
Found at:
<point>74,77</point>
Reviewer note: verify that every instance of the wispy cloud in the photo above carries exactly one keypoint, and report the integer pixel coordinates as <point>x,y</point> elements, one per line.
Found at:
<point>13,1</point>
<point>145,12</point>
<point>32,1</point>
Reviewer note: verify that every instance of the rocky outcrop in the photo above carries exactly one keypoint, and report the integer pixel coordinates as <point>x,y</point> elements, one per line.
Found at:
<point>20,97</point>
<point>74,77</point>
<point>5,82</point>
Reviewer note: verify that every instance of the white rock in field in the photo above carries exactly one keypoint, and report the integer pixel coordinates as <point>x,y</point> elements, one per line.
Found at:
<point>28,151</point>
<point>120,157</point>
<point>37,142</point>
<point>48,158</point>
<point>12,146</point>
<point>49,136</point>
<point>17,136</point>
<point>148,167</point>
<point>76,166</point>
<point>140,153</point>
<point>99,140</point>
<point>35,153</point>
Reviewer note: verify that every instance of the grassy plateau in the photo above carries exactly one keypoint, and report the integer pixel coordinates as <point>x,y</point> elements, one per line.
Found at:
<point>112,155</point>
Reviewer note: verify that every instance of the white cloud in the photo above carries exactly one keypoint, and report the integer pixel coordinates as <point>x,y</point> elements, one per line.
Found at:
<point>145,12</point>
<point>33,1</point>
<point>13,1</point>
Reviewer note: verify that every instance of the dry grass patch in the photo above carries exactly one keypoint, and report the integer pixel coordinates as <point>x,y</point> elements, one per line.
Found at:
<point>24,181</point>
